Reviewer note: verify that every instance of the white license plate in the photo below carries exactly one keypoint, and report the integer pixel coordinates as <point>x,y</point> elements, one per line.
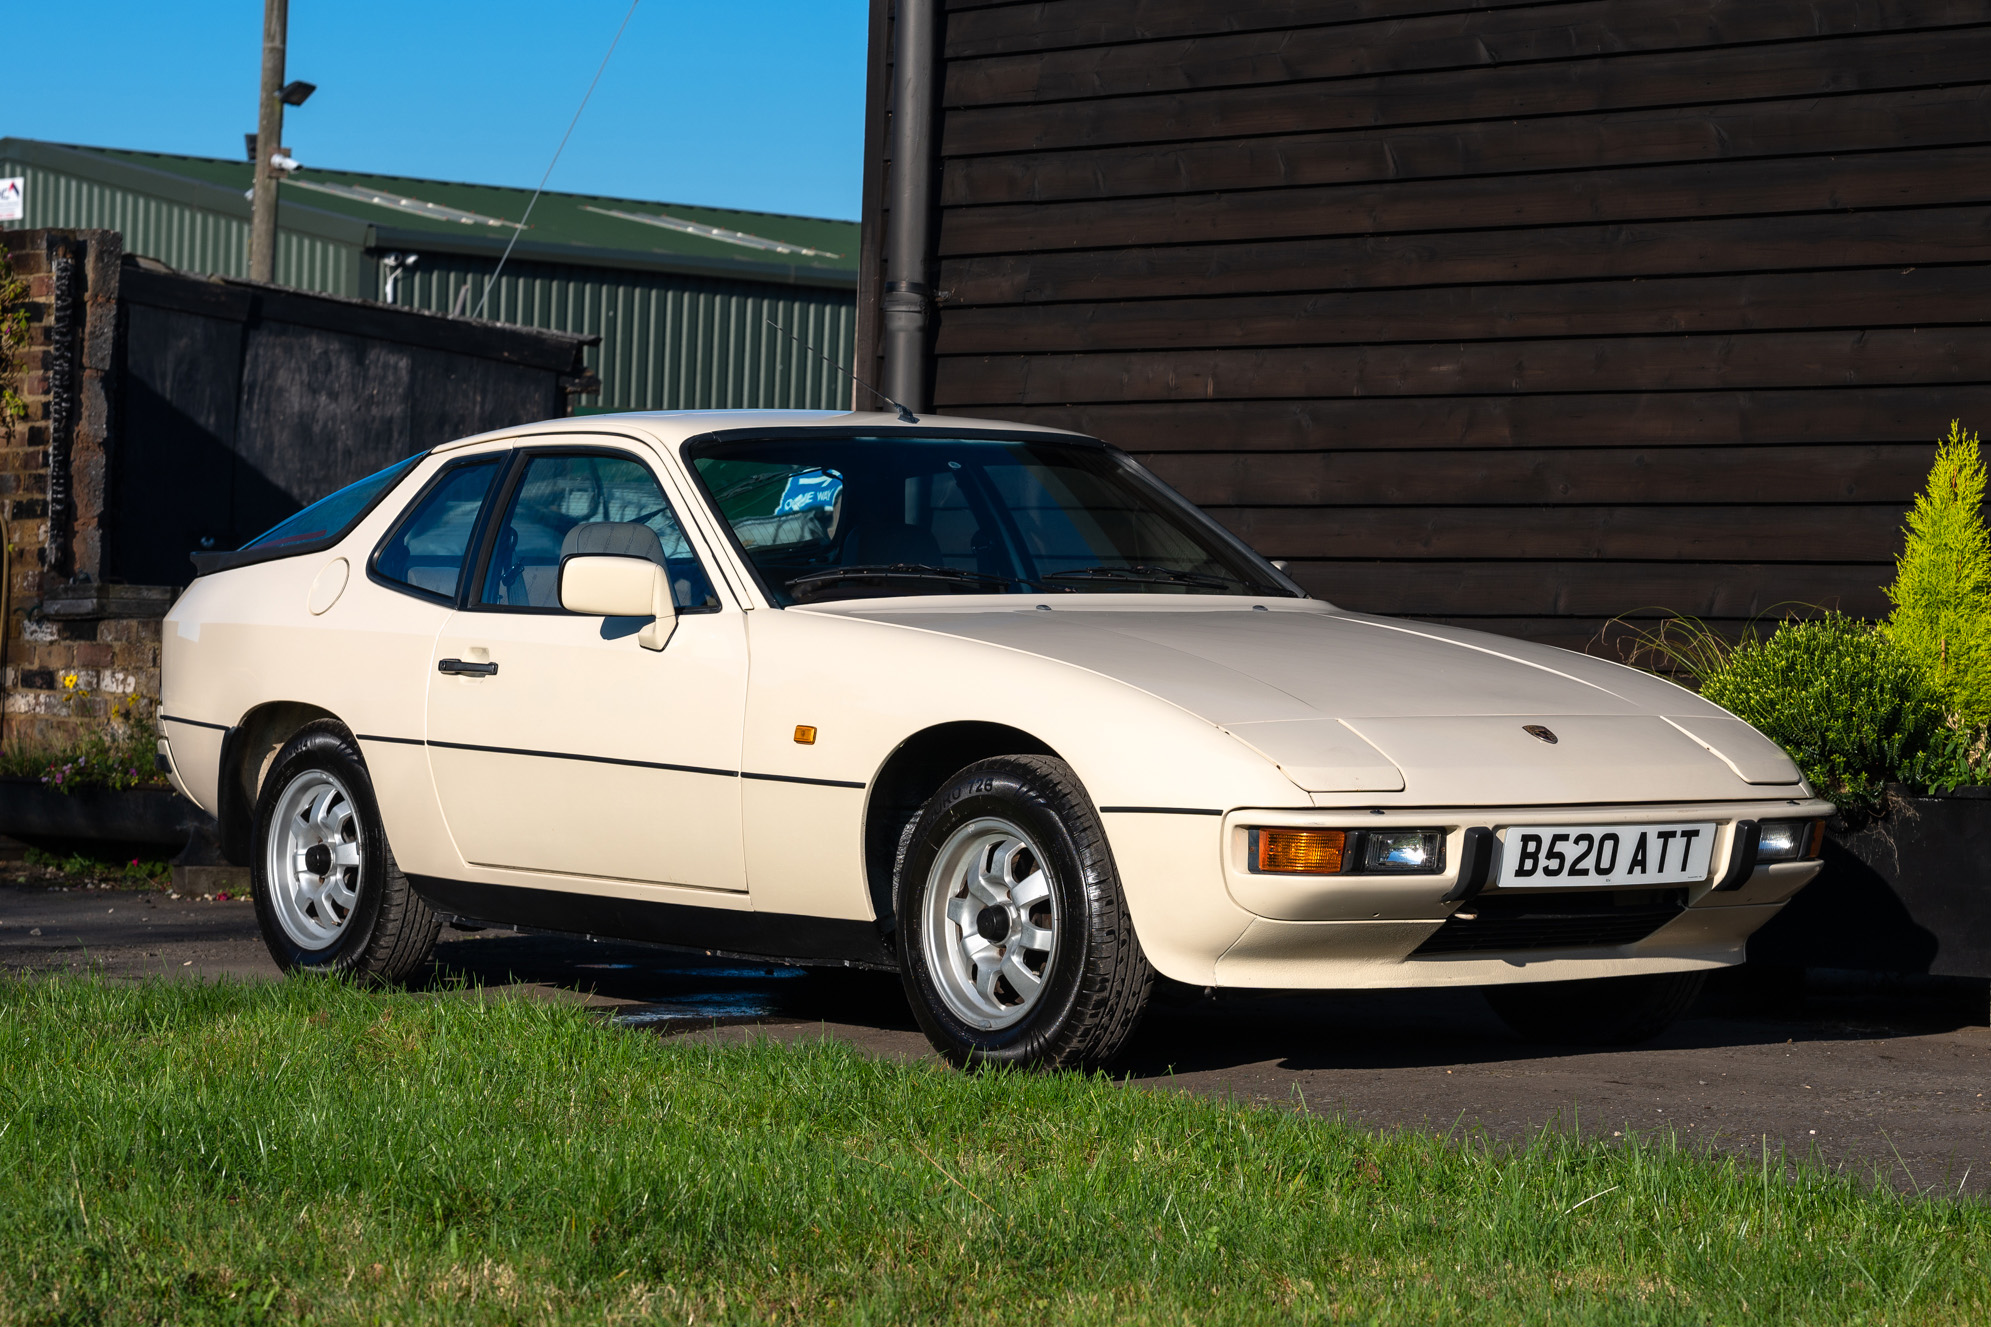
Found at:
<point>1563,855</point>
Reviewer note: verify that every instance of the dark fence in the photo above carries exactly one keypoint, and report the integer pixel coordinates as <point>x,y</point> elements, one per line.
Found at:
<point>243,402</point>
<point>1517,315</point>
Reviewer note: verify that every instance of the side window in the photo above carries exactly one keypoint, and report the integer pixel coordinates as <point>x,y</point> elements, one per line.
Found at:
<point>426,549</point>
<point>559,494</point>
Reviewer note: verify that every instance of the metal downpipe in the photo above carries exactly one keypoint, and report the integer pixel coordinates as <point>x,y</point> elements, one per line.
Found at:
<point>907,298</point>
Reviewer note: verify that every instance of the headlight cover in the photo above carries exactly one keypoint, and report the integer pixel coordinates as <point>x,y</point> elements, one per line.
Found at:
<point>1402,851</point>
<point>1790,840</point>
<point>1294,851</point>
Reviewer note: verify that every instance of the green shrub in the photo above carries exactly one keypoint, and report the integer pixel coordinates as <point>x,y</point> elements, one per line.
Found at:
<point>1942,581</point>
<point>1853,707</point>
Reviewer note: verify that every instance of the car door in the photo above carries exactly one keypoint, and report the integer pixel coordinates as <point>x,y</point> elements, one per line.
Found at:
<point>559,745</point>
<point>388,662</point>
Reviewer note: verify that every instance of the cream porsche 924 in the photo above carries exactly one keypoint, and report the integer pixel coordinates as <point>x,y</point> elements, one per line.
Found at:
<point>987,705</point>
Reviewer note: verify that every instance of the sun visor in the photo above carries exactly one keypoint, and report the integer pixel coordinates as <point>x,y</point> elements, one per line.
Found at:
<point>1753,757</point>
<point>1321,755</point>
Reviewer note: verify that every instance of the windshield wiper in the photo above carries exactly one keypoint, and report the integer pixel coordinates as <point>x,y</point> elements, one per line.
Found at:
<point>892,571</point>
<point>1150,575</point>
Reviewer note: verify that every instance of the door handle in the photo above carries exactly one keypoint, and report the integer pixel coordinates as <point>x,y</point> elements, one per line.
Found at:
<point>463,669</point>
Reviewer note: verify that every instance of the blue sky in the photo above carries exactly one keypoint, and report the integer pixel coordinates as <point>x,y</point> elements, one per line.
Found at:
<point>741,103</point>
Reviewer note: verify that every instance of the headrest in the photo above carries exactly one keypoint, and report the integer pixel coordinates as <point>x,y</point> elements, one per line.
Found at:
<point>616,539</point>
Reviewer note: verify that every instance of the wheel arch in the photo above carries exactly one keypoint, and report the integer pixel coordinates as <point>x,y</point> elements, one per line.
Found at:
<point>916,769</point>
<point>246,752</point>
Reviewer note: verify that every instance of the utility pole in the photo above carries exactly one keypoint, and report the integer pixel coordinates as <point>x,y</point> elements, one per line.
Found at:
<point>269,140</point>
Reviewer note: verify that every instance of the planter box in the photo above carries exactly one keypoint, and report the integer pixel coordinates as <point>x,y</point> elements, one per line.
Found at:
<point>31,809</point>
<point>1908,894</point>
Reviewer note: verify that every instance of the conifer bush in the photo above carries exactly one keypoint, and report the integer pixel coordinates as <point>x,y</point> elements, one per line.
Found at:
<point>1942,582</point>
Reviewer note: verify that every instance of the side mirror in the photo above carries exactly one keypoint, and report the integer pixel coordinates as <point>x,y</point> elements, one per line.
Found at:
<point>608,586</point>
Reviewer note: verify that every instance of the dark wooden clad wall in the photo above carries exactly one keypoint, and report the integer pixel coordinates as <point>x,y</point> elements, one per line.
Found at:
<point>1520,315</point>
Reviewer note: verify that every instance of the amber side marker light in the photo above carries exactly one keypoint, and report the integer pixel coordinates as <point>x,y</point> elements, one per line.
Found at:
<point>1298,851</point>
<point>805,734</point>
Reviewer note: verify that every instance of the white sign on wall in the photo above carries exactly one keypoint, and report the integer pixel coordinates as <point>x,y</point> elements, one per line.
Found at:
<point>13,196</point>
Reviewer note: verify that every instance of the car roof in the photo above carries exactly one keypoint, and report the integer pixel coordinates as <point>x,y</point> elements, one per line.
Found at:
<point>672,427</point>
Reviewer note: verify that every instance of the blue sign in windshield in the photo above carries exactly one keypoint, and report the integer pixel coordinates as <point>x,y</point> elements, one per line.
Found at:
<point>814,490</point>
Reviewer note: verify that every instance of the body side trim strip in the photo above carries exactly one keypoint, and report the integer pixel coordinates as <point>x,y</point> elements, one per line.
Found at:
<point>797,778</point>
<point>1158,811</point>
<point>593,760</point>
<point>195,723</point>
<point>619,760</point>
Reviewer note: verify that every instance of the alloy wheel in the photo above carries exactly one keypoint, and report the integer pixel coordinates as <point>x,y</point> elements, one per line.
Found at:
<point>314,859</point>
<point>991,924</point>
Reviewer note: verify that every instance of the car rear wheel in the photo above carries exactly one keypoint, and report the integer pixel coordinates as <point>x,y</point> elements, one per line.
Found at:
<point>329,896</point>
<point>1015,945</point>
<point>1606,1011</point>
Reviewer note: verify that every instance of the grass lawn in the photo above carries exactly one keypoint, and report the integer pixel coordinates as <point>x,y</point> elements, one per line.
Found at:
<point>187,1153</point>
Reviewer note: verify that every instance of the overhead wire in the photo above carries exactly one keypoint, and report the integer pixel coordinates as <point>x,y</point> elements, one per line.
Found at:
<point>518,230</point>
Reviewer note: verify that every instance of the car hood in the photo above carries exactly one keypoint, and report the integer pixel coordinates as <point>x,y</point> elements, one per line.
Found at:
<point>1345,702</point>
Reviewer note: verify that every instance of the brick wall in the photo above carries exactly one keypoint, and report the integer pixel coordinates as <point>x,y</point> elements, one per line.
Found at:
<point>60,620</point>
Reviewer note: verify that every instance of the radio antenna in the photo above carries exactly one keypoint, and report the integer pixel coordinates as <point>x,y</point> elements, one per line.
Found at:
<point>905,416</point>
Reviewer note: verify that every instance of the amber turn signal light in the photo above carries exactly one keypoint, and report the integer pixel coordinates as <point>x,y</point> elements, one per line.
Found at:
<point>805,734</point>
<point>1298,851</point>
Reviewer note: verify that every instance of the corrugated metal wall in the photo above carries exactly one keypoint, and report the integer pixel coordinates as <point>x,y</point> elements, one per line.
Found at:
<point>668,342</point>
<point>190,238</point>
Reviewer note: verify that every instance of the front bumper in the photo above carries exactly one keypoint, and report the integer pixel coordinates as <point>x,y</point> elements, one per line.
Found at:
<point>1346,932</point>
<point>1309,931</point>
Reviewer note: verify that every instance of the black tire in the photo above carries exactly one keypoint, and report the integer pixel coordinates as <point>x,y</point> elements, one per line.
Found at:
<point>387,932</point>
<point>1606,1011</point>
<point>1095,980</point>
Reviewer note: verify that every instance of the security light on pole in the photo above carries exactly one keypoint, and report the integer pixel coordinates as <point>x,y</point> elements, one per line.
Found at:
<point>272,162</point>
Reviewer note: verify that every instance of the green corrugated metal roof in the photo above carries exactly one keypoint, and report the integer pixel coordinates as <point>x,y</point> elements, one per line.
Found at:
<point>472,217</point>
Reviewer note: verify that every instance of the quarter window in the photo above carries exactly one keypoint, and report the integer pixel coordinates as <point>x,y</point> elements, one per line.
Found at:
<point>560,493</point>
<point>332,516</point>
<point>426,550</point>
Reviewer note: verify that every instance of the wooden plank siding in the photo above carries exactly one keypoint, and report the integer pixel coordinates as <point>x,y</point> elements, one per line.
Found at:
<point>1521,314</point>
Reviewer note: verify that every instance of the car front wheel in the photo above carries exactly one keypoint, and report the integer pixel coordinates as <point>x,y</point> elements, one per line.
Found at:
<point>1604,1011</point>
<point>329,896</point>
<point>1014,940</point>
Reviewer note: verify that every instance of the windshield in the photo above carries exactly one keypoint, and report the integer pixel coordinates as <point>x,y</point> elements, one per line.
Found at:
<point>855,518</point>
